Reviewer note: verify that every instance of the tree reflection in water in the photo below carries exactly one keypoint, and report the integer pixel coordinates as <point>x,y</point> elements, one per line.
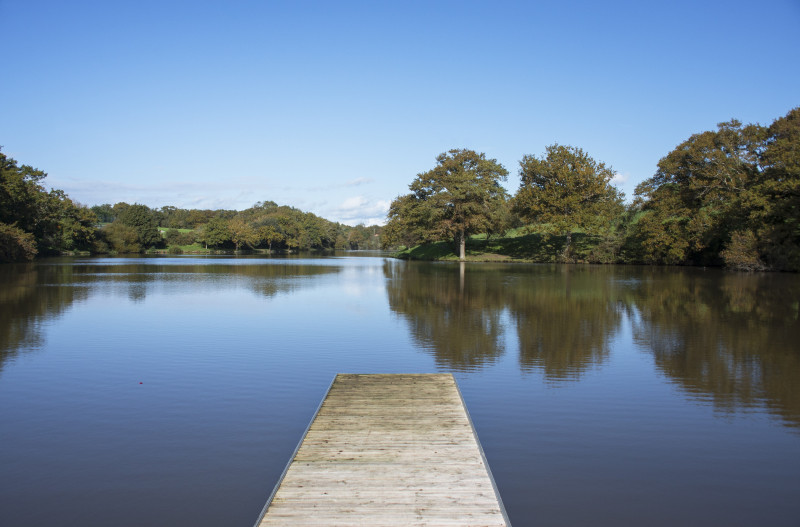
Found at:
<point>450,311</point>
<point>565,319</point>
<point>726,337</point>
<point>33,293</point>
<point>731,338</point>
<point>27,299</point>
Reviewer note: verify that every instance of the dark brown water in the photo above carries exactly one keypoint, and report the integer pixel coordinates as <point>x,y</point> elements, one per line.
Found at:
<point>172,391</point>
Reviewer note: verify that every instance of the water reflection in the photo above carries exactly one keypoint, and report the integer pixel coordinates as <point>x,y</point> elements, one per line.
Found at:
<point>25,303</point>
<point>728,338</point>
<point>33,293</point>
<point>137,277</point>
<point>453,313</point>
<point>565,318</point>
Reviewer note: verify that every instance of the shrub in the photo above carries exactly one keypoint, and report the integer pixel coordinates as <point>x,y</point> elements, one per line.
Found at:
<point>171,236</point>
<point>741,253</point>
<point>121,238</point>
<point>140,218</point>
<point>185,238</point>
<point>15,244</point>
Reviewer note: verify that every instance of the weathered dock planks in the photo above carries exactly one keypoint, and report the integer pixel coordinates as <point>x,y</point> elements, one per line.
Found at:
<point>388,450</point>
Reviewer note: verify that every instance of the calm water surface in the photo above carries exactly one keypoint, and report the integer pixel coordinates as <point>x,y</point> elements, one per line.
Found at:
<point>172,391</point>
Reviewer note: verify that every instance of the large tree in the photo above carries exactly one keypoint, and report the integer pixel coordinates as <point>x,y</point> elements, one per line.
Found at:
<point>142,220</point>
<point>729,195</point>
<point>215,233</point>
<point>21,194</point>
<point>242,233</point>
<point>55,221</point>
<point>460,196</point>
<point>565,190</point>
<point>773,202</point>
<point>697,190</point>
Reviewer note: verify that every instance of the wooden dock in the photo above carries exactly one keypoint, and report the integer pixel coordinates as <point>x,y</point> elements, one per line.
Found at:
<point>388,450</point>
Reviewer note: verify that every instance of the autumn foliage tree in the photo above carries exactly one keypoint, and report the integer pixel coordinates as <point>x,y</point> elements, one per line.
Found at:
<point>243,234</point>
<point>730,195</point>
<point>773,202</point>
<point>565,190</point>
<point>693,202</point>
<point>460,196</point>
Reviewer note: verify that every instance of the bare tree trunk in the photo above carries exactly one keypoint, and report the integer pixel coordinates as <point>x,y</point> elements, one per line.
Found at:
<point>567,246</point>
<point>462,246</point>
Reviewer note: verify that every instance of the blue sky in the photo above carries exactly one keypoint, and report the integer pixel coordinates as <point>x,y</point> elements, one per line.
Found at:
<point>334,107</point>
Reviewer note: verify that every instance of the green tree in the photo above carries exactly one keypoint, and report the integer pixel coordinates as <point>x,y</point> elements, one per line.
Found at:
<point>74,226</point>
<point>55,221</point>
<point>104,213</point>
<point>729,196</point>
<point>16,244</point>
<point>141,219</point>
<point>696,193</point>
<point>195,218</point>
<point>21,194</point>
<point>661,232</point>
<point>171,236</point>
<point>742,252</point>
<point>269,233</point>
<point>455,199</point>
<point>215,233</point>
<point>312,232</point>
<point>358,237</point>
<point>121,238</point>
<point>773,202</point>
<point>118,208</point>
<point>566,190</point>
<point>243,233</point>
<point>406,225</point>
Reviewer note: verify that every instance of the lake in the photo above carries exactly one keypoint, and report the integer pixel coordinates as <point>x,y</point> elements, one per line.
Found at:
<point>167,391</point>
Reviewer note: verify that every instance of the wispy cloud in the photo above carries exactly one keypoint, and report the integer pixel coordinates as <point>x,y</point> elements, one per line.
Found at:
<point>205,195</point>
<point>360,209</point>
<point>358,181</point>
<point>347,184</point>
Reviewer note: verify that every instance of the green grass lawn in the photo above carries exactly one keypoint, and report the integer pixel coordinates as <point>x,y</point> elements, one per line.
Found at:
<point>163,230</point>
<point>516,247</point>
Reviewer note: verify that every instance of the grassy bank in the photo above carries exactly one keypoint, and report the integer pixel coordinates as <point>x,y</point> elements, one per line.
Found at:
<point>538,248</point>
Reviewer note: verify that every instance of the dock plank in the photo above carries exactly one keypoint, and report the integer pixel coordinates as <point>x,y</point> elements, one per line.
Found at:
<point>388,450</point>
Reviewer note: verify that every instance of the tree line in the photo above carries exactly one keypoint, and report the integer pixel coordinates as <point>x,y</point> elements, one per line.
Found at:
<point>35,221</point>
<point>266,225</point>
<point>729,197</point>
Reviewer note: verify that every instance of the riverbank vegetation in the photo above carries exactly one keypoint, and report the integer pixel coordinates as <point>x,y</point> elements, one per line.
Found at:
<point>266,226</point>
<point>35,221</point>
<point>728,197</point>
